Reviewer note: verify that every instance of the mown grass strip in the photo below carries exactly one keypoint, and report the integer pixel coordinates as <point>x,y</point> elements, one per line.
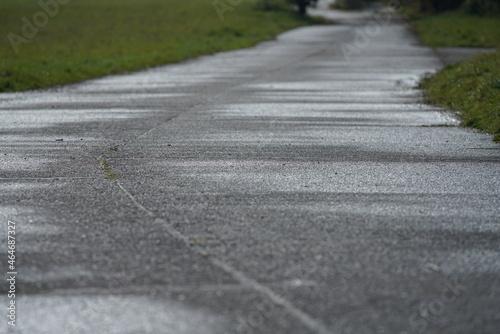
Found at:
<point>457,29</point>
<point>472,87</point>
<point>91,38</point>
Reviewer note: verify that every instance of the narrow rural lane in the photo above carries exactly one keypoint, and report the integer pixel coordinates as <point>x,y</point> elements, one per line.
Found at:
<point>300,186</point>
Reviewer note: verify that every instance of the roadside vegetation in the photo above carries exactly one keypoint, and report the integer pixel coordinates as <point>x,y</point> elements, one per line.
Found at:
<point>457,28</point>
<point>347,4</point>
<point>473,86</point>
<point>300,5</point>
<point>90,38</point>
<point>350,4</point>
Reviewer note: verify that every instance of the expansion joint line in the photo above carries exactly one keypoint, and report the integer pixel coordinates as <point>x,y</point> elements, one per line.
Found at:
<point>309,322</point>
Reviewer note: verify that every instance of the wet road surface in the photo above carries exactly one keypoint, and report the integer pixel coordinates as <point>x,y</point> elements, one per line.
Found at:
<point>286,188</point>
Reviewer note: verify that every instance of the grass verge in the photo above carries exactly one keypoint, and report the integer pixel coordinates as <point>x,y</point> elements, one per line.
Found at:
<point>458,29</point>
<point>472,87</point>
<point>91,38</point>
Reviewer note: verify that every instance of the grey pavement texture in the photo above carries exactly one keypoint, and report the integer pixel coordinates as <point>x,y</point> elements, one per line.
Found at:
<point>278,189</point>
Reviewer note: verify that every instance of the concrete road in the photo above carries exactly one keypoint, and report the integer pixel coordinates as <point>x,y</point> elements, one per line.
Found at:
<point>300,186</point>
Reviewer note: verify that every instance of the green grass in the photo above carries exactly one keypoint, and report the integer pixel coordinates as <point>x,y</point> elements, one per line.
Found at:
<point>457,29</point>
<point>108,172</point>
<point>91,38</point>
<point>472,87</point>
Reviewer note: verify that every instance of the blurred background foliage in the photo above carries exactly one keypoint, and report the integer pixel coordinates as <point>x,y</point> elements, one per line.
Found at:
<point>300,5</point>
<point>475,7</point>
<point>350,4</point>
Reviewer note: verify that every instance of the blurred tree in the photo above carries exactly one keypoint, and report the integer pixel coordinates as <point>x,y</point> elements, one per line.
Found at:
<point>443,5</point>
<point>483,7</point>
<point>303,4</point>
<point>285,4</point>
<point>438,5</point>
<point>348,4</point>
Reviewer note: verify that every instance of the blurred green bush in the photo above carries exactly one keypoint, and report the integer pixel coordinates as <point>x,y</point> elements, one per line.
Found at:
<point>272,5</point>
<point>348,4</point>
<point>301,5</point>
<point>482,7</point>
<point>476,7</point>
